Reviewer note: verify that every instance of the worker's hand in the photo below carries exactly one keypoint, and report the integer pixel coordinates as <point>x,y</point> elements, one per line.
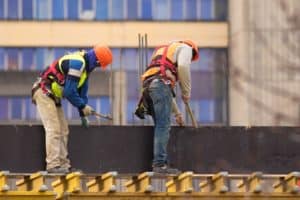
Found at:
<point>85,122</point>
<point>185,98</point>
<point>87,110</point>
<point>179,119</point>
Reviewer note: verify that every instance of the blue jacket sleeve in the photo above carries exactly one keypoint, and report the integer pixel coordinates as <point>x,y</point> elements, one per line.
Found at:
<point>83,94</point>
<point>71,93</point>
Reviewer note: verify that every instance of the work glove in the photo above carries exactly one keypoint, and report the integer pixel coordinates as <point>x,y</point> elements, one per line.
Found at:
<point>87,110</point>
<point>85,122</point>
<point>179,119</point>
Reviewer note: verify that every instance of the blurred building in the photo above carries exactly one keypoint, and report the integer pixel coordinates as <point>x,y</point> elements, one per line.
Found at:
<point>34,32</point>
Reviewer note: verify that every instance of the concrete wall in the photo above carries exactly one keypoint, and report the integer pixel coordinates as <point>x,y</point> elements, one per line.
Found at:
<point>264,62</point>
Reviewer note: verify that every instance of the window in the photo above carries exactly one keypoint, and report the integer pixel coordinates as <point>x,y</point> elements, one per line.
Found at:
<point>221,9</point>
<point>102,9</point>
<point>16,108</point>
<point>191,10</point>
<point>176,10</point>
<point>58,7</point>
<point>87,10</point>
<point>160,10</point>
<point>27,9</point>
<point>43,9</point>
<point>206,9</point>
<point>1,9</point>
<point>12,9</point>
<point>146,9</point>
<point>2,67</point>
<point>117,10</point>
<point>28,59</point>
<point>4,108</point>
<point>132,9</point>
<point>40,58</point>
<point>72,9</point>
<point>12,59</point>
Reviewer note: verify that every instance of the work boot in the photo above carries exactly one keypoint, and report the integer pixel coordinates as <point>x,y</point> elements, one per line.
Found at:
<point>58,170</point>
<point>165,169</point>
<point>72,169</point>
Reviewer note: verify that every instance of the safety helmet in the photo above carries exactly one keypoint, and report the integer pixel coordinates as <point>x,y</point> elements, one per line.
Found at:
<point>194,47</point>
<point>103,55</point>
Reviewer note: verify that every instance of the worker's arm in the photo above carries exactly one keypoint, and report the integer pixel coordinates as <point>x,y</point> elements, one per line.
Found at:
<point>184,58</point>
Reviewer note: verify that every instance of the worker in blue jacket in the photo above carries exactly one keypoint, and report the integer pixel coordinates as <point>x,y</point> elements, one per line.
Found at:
<point>66,77</point>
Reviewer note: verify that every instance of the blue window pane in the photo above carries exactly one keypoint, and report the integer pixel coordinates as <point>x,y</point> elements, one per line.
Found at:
<point>29,109</point>
<point>42,9</point>
<point>105,105</point>
<point>4,108</point>
<point>1,9</point>
<point>27,9</point>
<point>130,117</point>
<point>129,59</point>
<point>87,5</point>
<point>12,9</point>
<point>207,109</point>
<point>117,10</point>
<point>160,10</point>
<point>57,9</point>
<point>16,108</point>
<point>2,58</point>
<point>206,62</point>
<point>40,58</point>
<point>191,9</point>
<point>101,9</point>
<point>116,53</point>
<point>58,52</point>
<point>72,9</point>
<point>133,84</point>
<point>146,9</point>
<point>28,58</point>
<point>12,59</point>
<point>176,10</point>
<point>132,9</point>
<point>206,9</point>
<point>221,9</point>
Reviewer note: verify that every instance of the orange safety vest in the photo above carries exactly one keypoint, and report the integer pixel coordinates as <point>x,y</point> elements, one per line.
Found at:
<point>162,60</point>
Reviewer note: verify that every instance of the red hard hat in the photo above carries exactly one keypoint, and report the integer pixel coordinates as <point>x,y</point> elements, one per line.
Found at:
<point>195,49</point>
<point>103,55</point>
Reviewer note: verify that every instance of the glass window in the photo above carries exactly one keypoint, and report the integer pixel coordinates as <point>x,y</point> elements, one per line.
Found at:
<point>176,10</point>
<point>30,109</point>
<point>206,9</point>
<point>40,58</point>
<point>191,9</point>
<point>43,9</point>
<point>116,53</point>
<point>207,110</point>
<point>87,10</point>
<point>102,9</point>
<point>87,4</point>
<point>132,9</point>
<point>72,9</point>
<point>129,59</point>
<point>12,59</point>
<point>117,9</point>
<point>1,9</point>
<point>160,10</point>
<point>4,108</point>
<point>12,9</point>
<point>28,58</point>
<point>27,9</point>
<point>16,107</point>
<point>105,105</point>
<point>146,9</point>
<point>221,9</point>
<point>2,58</point>
<point>58,9</point>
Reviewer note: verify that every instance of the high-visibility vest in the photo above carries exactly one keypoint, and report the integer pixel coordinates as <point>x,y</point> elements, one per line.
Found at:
<point>53,77</point>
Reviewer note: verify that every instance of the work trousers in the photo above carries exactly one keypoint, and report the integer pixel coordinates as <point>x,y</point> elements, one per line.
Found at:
<point>161,96</point>
<point>56,128</point>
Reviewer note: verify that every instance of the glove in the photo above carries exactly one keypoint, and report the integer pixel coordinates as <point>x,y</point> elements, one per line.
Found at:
<point>179,119</point>
<point>85,122</point>
<point>87,110</point>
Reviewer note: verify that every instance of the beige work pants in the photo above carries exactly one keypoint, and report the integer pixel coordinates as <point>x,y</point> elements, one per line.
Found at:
<point>56,128</point>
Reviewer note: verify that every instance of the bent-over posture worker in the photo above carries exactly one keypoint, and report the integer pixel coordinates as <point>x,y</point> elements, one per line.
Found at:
<point>169,64</point>
<point>67,77</point>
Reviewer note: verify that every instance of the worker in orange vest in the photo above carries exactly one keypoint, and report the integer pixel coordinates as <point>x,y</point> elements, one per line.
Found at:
<point>169,64</point>
<point>66,77</point>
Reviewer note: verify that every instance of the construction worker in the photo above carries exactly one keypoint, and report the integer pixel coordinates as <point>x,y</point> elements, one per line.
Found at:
<point>169,64</point>
<point>67,77</point>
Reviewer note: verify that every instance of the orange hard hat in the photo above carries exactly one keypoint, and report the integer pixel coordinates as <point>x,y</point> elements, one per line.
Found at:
<point>103,55</point>
<point>195,49</point>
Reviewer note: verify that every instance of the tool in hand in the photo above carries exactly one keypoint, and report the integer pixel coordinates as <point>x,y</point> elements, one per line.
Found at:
<point>188,108</point>
<point>101,115</point>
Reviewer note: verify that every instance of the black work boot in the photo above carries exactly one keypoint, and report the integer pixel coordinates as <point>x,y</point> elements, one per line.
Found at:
<point>165,169</point>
